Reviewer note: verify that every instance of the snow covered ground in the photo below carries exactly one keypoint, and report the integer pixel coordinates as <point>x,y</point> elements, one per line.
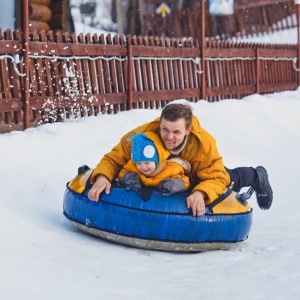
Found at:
<point>288,36</point>
<point>43,256</point>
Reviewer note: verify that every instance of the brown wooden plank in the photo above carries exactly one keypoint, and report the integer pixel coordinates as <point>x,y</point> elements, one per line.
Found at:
<point>4,78</point>
<point>159,51</point>
<point>223,69</point>
<point>231,52</point>
<point>228,70</point>
<point>38,102</point>
<point>171,84</point>
<point>93,77</point>
<point>13,81</point>
<point>100,75</point>
<point>107,74</point>
<point>279,87</point>
<point>137,81</point>
<point>189,68</point>
<point>11,104</point>
<point>286,53</point>
<point>40,68</point>
<point>274,69</point>
<point>33,85</point>
<point>198,76</point>
<point>113,76</point>
<point>146,70</point>
<point>211,74</point>
<point>143,70</point>
<point>77,83</point>
<point>268,69</point>
<point>154,68</point>
<point>119,70</point>
<point>164,65</point>
<point>17,80</point>
<point>70,49</point>
<point>10,47</point>
<point>72,80</point>
<point>85,77</point>
<point>225,91</point>
<point>240,65</point>
<point>166,94</point>
<point>161,81</point>
<point>95,110</point>
<point>125,68</point>
<point>175,73</point>
<point>47,70</point>
<point>248,73</point>
<point>58,115</point>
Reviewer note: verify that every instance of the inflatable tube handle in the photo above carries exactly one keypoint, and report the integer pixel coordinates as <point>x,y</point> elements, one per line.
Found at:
<point>88,184</point>
<point>211,205</point>
<point>83,169</point>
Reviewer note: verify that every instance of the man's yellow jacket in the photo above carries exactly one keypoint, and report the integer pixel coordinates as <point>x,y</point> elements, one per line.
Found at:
<point>207,173</point>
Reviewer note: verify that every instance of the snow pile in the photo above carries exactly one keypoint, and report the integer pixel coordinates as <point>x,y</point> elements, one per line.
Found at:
<point>43,255</point>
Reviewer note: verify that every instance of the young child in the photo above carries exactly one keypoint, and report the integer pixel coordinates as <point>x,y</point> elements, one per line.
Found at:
<point>149,166</point>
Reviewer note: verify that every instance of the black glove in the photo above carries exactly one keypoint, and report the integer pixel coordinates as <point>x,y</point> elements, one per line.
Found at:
<point>171,186</point>
<point>132,181</point>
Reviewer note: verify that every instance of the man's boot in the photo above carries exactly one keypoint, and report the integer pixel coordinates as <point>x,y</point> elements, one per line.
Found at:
<point>263,190</point>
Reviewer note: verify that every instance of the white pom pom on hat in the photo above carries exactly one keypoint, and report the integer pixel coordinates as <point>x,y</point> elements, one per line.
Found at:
<point>143,149</point>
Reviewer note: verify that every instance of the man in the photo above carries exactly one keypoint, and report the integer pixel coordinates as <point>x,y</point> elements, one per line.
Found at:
<point>183,136</point>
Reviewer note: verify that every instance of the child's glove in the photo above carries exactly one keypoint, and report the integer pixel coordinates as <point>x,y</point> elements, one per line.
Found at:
<point>171,186</point>
<point>132,181</point>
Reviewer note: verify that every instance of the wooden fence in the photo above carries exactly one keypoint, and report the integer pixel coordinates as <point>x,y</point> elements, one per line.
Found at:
<point>249,19</point>
<point>75,76</point>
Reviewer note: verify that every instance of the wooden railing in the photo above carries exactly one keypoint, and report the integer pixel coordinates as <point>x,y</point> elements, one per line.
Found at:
<point>74,76</point>
<point>249,19</point>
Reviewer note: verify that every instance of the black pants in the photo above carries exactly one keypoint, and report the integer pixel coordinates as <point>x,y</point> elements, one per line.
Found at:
<point>242,177</point>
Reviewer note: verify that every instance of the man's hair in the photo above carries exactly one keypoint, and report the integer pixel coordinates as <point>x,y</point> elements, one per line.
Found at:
<point>173,112</point>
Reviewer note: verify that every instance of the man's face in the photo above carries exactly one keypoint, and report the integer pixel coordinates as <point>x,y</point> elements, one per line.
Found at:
<point>173,133</point>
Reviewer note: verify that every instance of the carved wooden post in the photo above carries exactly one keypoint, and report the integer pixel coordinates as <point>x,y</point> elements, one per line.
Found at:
<point>203,47</point>
<point>257,70</point>
<point>130,73</point>
<point>25,33</point>
<point>297,2</point>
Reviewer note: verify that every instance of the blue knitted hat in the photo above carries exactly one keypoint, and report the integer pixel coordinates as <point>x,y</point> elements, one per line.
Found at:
<point>143,149</point>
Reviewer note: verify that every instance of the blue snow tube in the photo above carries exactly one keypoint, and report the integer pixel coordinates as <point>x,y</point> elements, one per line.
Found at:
<point>146,219</point>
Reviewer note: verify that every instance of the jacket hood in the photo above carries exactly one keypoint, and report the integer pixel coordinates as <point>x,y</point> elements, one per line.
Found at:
<point>163,153</point>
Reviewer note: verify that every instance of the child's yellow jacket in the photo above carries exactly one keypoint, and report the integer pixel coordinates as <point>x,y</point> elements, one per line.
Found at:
<point>166,169</point>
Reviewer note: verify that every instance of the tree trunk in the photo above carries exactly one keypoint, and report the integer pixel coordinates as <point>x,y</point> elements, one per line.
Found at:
<point>179,4</point>
<point>120,17</point>
<point>134,26</point>
<point>113,11</point>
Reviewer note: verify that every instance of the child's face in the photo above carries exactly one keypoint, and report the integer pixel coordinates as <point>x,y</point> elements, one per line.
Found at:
<point>146,167</point>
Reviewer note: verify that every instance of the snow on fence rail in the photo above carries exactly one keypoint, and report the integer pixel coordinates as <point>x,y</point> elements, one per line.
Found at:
<point>76,76</point>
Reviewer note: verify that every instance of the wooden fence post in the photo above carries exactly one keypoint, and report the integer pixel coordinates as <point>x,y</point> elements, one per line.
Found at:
<point>298,22</point>
<point>203,46</point>
<point>25,34</point>
<point>129,72</point>
<point>257,71</point>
